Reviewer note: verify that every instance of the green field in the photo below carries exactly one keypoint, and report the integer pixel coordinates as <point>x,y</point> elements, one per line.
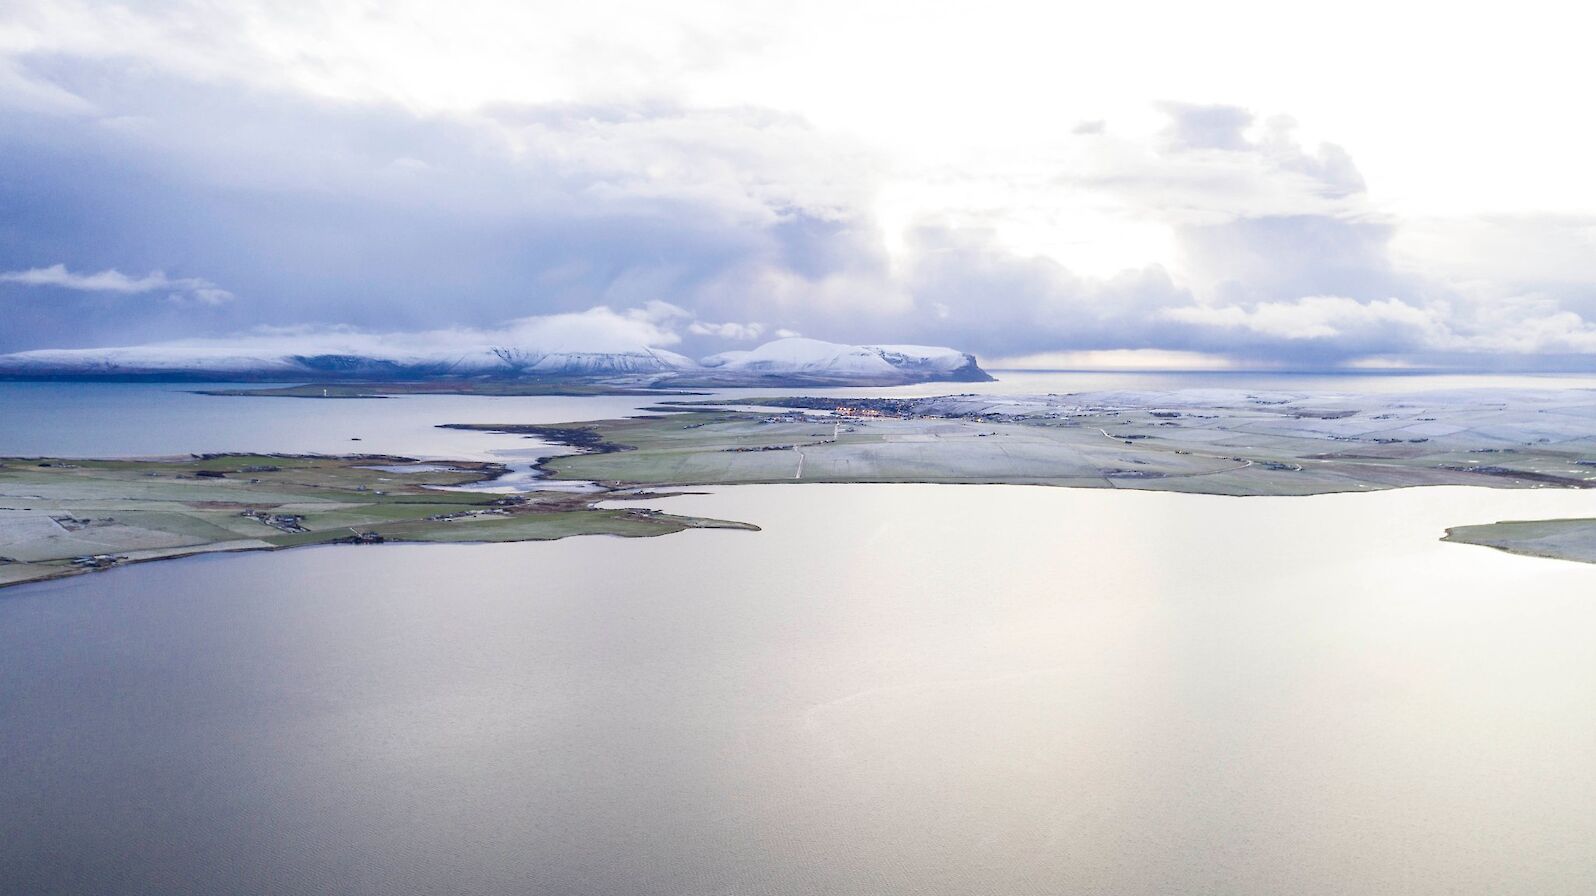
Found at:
<point>63,517</point>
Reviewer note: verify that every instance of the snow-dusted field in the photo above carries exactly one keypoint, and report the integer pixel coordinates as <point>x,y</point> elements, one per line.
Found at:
<point>1234,443</point>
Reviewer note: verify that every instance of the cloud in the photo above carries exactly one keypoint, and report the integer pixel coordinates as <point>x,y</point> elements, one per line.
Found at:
<point>1377,326</point>
<point>727,330</point>
<point>367,215</point>
<point>192,289</point>
<point>351,198</point>
<point>598,329</point>
<point>1214,165</point>
<point>654,311</point>
<point>1191,126</point>
<point>20,90</point>
<point>1549,254</point>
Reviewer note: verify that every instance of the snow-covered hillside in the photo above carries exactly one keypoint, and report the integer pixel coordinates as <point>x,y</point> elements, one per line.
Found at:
<point>798,357</point>
<point>239,361</point>
<point>805,360</point>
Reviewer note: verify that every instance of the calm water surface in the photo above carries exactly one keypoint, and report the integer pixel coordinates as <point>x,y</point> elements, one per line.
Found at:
<point>892,689</point>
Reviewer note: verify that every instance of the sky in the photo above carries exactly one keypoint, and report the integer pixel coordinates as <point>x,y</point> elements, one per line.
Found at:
<point>1149,184</point>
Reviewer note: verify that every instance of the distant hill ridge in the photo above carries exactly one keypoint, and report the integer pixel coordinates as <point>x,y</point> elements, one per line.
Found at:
<point>795,359</point>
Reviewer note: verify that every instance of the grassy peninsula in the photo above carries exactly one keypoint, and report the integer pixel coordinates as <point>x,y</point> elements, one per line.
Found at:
<point>62,517</point>
<point>1560,539</point>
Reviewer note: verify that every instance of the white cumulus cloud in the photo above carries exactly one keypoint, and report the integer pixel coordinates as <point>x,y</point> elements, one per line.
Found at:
<point>193,289</point>
<point>728,330</point>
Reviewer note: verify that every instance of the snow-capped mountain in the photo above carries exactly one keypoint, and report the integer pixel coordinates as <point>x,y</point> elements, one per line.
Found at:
<point>798,357</point>
<point>204,362</point>
<point>800,360</point>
